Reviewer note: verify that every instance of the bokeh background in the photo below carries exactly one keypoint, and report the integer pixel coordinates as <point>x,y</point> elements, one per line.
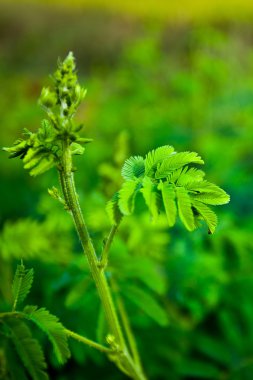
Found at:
<point>157,72</point>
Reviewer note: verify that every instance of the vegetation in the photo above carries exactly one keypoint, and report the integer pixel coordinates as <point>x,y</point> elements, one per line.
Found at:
<point>163,178</point>
<point>188,296</point>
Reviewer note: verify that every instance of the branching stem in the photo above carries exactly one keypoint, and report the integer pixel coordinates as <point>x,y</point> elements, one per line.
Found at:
<point>87,341</point>
<point>105,251</point>
<point>71,198</point>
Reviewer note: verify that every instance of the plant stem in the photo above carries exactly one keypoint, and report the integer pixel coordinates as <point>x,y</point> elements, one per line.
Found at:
<point>87,341</point>
<point>126,325</point>
<point>105,252</point>
<point>72,202</point>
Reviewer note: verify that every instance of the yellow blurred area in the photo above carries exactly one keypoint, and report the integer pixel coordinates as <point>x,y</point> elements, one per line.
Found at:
<point>164,10</point>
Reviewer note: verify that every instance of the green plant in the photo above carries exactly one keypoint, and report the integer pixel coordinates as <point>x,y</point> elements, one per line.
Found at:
<point>164,179</point>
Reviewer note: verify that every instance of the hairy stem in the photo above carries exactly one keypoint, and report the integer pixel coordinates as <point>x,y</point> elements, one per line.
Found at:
<point>126,325</point>
<point>87,341</point>
<point>72,202</point>
<point>105,252</point>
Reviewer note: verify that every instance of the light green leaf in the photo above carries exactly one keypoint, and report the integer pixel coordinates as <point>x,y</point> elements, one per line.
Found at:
<point>53,328</point>
<point>207,214</point>
<point>112,209</point>
<point>28,349</point>
<point>22,284</point>
<point>184,208</point>
<point>156,157</point>
<point>168,197</point>
<point>127,196</point>
<point>189,175</point>
<point>133,168</point>
<point>176,161</point>
<point>151,196</point>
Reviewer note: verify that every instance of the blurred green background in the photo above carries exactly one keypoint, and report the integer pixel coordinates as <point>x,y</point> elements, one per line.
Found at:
<point>177,73</point>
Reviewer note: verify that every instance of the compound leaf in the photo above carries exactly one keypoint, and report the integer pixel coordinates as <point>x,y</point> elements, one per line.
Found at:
<point>133,168</point>
<point>22,284</point>
<point>184,208</point>
<point>150,194</point>
<point>168,197</point>
<point>53,328</point>
<point>127,196</point>
<point>156,157</point>
<point>28,349</point>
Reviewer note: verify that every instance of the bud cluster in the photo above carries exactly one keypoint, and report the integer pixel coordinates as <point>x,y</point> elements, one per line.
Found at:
<point>43,149</point>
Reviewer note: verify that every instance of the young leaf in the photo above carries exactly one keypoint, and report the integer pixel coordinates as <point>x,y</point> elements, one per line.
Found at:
<point>208,193</point>
<point>150,194</point>
<point>184,208</point>
<point>28,349</point>
<point>155,157</point>
<point>53,328</point>
<point>176,161</point>
<point>112,209</point>
<point>189,175</point>
<point>133,168</point>
<point>168,196</point>
<point>22,283</point>
<point>127,196</point>
<point>207,214</point>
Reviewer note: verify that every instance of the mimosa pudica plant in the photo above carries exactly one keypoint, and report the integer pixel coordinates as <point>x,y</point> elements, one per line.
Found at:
<point>167,180</point>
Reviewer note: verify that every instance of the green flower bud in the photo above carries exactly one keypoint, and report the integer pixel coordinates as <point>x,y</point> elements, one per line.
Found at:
<point>48,98</point>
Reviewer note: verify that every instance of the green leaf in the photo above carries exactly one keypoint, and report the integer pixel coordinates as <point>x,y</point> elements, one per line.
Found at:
<point>22,284</point>
<point>127,196</point>
<point>198,369</point>
<point>208,193</point>
<point>46,163</point>
<point>112,209</point>
<point>28,349</point>
<point>53,328</point>
<point>156,157</point>
<point>145,270</point>
<point>151,196</point>
<point>184,208</point>
<point>176,161</point>
<point>14,364</point>
<point>207,214</point>
<point>215,349</point>
<point>168,197</point>
<point>190,175</point>
<point>147,303</point>
<point>133,168</point>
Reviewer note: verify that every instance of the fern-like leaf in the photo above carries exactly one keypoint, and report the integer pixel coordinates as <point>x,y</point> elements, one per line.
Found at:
<point>209,193</point>
<point>190,175</point>
<point>112,209</point>
<point>151,196</point>
<point>156,157</point>
<point>207,214</point>
<point>184,208</point>
<point>53,328</point>
<point>176,161</point>
<point>28,349</point>
<point>133,168</point>
<point>127,196</point>
<point>168,197</point>
<point>22,283</point>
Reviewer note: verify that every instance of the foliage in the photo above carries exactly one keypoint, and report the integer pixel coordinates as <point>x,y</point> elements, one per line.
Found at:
<point>163,177</point>
<point>171,88</point>
<point>17,334</point>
